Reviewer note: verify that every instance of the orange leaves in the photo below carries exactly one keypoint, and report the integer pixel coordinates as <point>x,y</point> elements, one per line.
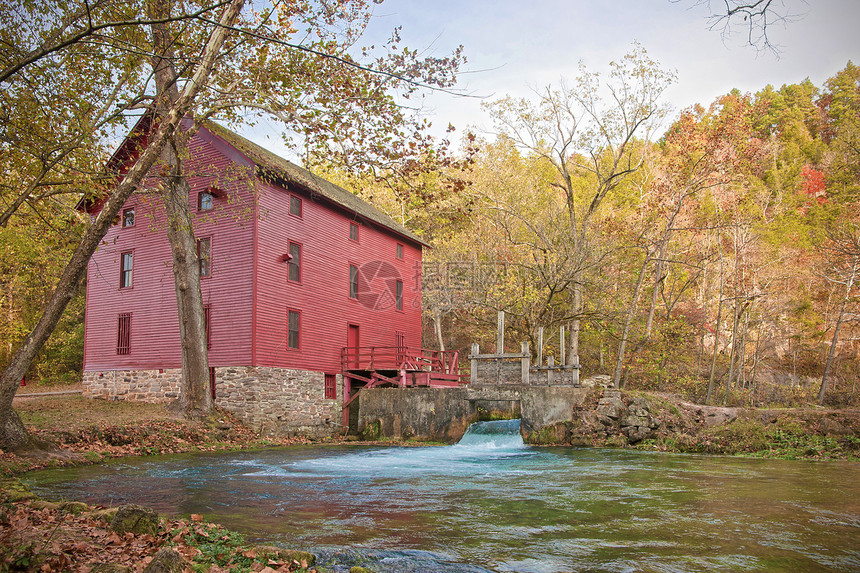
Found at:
<point>813,187</point>
<point>813,182</point>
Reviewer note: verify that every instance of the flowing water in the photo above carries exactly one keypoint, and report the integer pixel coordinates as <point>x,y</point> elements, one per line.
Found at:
<point>490,503</point>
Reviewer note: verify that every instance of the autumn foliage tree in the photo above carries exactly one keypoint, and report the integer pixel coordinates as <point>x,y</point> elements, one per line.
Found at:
<point>292,61</point>
<point>587,133</point>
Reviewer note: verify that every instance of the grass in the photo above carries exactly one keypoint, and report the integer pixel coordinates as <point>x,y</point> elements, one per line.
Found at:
<point>787,437</point>
<point>76,412</point>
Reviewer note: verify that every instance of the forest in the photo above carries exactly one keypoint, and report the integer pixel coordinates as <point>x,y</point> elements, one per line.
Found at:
<point>711,253</point>
<point>716,258</point>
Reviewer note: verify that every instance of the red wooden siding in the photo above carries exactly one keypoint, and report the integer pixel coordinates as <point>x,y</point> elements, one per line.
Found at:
<point>154,335</point>
<point>248,293</point>
<point>322,296</point>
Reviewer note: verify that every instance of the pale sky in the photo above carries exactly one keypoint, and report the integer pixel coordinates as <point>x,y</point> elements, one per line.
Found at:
<point>515,46</point>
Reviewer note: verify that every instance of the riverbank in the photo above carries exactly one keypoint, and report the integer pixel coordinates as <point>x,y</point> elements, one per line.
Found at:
<point>659,422</point>
<point>89,431</point>
<point>72,536</point>
<point>40,535</point>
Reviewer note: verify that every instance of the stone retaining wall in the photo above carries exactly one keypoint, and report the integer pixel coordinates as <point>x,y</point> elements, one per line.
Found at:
<point>443,414</point>
<point>271,401</point>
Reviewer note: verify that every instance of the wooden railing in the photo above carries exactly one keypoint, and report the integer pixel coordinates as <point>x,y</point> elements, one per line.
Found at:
<point>400,358</point>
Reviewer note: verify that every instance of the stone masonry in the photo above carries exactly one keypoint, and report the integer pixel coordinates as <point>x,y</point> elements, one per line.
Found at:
<point>271,401</point>
<point>154,386</point>
<point>280,402</point>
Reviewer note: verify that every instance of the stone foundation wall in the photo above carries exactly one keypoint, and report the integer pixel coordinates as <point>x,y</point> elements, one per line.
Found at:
<point>280,402</point>
<point>271,401</point>
<point>154,386</point>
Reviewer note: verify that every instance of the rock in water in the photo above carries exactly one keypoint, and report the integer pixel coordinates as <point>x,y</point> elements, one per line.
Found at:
<point>136,519</point>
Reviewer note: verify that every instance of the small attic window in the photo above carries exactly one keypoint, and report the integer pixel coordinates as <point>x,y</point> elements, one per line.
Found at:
<point>206,200</point>
<point>128,217</point>
<point>295,206</point>
<point>353,231</point>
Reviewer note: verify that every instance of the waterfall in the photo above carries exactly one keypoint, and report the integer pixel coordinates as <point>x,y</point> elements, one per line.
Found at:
<point>496,435</point>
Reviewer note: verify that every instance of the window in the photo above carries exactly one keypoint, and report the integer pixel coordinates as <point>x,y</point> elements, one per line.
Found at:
<point>398,295</point>
<point>205,200</point>
<point>399,251</point>
<point>207,324</point>
<point>353,281</point>
<point>295,206</point>
<point>293,328</point>
<point>123,334</point>
<point>125,269</point>
<point>353,231</point>
<point>128,217</point>
<point>331,386</point>
<point>204,249</point>
<point>294,263</point>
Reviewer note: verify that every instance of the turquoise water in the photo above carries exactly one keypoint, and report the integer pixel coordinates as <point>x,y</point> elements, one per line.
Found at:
<point>490,503</point>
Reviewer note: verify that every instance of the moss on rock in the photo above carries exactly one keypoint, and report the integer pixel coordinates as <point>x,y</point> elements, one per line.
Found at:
<point>135,519</point>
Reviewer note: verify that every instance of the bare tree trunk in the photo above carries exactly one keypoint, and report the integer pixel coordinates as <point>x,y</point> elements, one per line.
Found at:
<point>658,281</point>
<point>437,327</point>
<point>827,365</point>
<point>619,363</point>
<point>742,373</point>
<point>195,399</point>
<point>734,354</point>
<point>756,361</point>
<point>575,327</point>
<point>716,334</point>
<point>13,435</point>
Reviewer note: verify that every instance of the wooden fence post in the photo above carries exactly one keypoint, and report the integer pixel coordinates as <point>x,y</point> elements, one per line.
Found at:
<point>550,373</point>
<point>473,376</point>
<point>561,347</point>
<point>500,333</point>
<point>540,346</point>
<point>525,362</point>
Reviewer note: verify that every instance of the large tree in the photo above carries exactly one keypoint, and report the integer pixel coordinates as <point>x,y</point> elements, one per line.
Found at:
<point>293,62</point>
<point>13,435</point>
<point>588,133</point>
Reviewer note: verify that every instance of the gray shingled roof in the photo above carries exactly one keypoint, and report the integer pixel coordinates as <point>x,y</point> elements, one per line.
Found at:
<point>301,177</point>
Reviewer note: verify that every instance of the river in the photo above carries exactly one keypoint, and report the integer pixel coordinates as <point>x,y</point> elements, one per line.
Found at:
<point>491,503</point>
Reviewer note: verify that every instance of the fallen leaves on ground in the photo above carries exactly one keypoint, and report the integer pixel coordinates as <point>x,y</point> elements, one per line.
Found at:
<point>36,538</point>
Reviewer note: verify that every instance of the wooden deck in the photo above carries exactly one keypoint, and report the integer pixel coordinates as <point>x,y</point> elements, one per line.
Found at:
<point>403,367</point>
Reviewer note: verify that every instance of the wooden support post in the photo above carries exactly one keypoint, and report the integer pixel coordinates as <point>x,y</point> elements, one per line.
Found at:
<point>473,377</point>
<point>574,372</point>
<point>526,362</point>
<point>347,390</point>
<point>550,373</point>
<point>500,333</point>
<point>561,347</point>
<point>540,346</point>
